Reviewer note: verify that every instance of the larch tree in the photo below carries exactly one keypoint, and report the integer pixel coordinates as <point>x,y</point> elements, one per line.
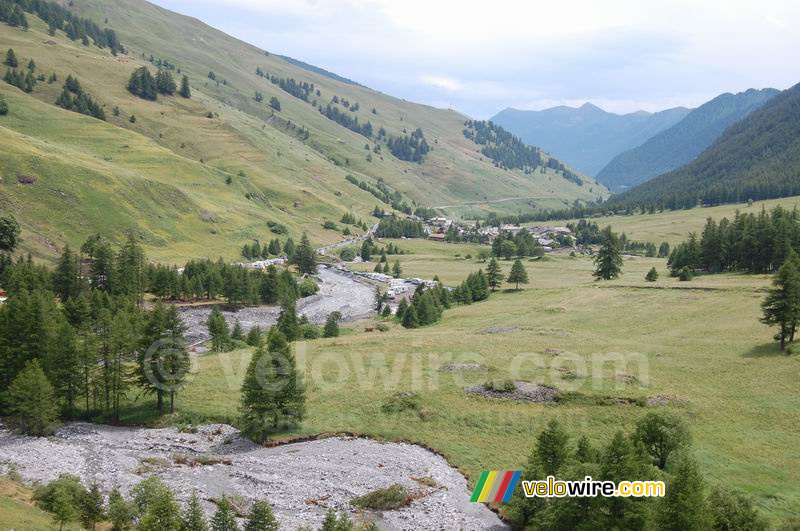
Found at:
<point>518,274</point>
<point>781,307</point>
<point>494,274</point>
<point>30,401</point>
<point>608,263</point>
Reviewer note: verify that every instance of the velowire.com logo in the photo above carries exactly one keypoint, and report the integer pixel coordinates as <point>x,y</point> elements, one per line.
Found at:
<point>494,486</point>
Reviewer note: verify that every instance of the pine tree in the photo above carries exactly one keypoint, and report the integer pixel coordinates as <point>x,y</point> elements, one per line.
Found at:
<point>156,506</point>
<point>396,269</point>
<point>120,512</point>
<point>366,250</point>
<point>332,325</point>
<point>185,91</point>
<point>494,274</point>
<point>261,517</point>
<point>193,518</point>
<point>30,401</point>
<point>63,365</point>
<point>11,59</point>
<point>652,275</point>
<point>781,307</point>
<point>92,507</point>
<point>684,506</point>
<point>287,321</point>
<point>609,259</point>
<point>238,333</point>
<point>65,278</point>
<point>272,392</point>
<point>401,309</point>
<point>518,274</point>
<point>305,256</point>
<point>62,507</point>
<point>409,319</point>
<point>3,106</point>
<point>218,328</point>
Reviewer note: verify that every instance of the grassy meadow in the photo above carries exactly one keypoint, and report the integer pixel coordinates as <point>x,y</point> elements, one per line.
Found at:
<point>698,343</point>
<point>674,226</point>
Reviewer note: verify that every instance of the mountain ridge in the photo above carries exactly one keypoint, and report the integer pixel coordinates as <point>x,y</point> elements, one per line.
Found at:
<point>587,136</point>
<point>682,142</point>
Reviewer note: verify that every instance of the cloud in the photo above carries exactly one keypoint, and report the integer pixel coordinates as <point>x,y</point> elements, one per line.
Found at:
<point>481,57</point>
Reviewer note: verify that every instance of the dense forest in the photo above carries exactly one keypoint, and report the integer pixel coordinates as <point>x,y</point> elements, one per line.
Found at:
<point>394,227</point>
<point>381,191</point>
<point>755,243</point>
<point>510,152</point>
<point>412,148</point>
<point>57,18</point>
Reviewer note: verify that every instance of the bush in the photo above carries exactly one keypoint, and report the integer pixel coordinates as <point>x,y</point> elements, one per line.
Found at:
<point>387,499</point>
<point>330,225</point>
<point>277,228</point>
<point>308,287</point>
<point>501,386</point>
<point>399,402</point>
<point>685,275</point>
<point>310,331</point>
<point>347,254</point>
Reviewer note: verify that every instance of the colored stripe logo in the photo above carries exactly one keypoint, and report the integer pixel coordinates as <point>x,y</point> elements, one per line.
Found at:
<point>494,486</point>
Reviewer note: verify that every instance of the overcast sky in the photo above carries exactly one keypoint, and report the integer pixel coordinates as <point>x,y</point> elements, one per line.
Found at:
<point>482,56</point>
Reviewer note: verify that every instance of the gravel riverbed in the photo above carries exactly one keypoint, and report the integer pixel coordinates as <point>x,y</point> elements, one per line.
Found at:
<point>338,290</point>
<point>301,480</point>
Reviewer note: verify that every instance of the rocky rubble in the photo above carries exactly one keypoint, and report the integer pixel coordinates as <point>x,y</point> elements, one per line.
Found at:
<point>301,480</point>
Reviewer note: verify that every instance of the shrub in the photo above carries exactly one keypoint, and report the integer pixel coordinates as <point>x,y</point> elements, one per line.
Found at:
<point>310,331</point>
<point>501,386</point>
<point>387,499</point>
<point>347,254</point>
<point>402,401</point>
<point>277,228</point>
<point>308,287</point>
<point>330,225</point>
<point>685,275</point>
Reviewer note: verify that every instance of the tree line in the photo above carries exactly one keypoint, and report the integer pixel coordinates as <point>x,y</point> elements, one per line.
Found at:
<point>382,192</point>
<point>73,98</point>
<point>146,86</point>
<point>412,148</point>
<point>58,17</point>
<point>152,505</point>
<point>395,227</point>
<point>658,448</point>
<point>754,243</point>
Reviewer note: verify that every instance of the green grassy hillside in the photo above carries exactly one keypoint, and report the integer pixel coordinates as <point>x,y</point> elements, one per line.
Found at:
<point>164,176</point>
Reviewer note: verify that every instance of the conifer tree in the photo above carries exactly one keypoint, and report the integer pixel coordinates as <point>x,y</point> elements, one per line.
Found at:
<point>272,392</point>
<point>287,321</point>
<point>62,507</point>
<point>609,258</point>
<point>305,256</point>
<point>409,319</point>
<point>494,274</point>
<point>396,269</point>
<point>218,328</point>
<point>238,333</point>
<point>193,518</point>
<point>652,275</point>
<point>30,401</point>
<point>781,307</point>
<point>3,106</point>
<point>332,325</point>
<point>401,309</point>
<point>11,59</point>
<point>92,507</point>
<point>65,278</point>
<point>261,517</point>
<point>63,365</point>
<point>684,506</point>
<point>120,512</point>
<point>518,274</point>
<point>366,250</point>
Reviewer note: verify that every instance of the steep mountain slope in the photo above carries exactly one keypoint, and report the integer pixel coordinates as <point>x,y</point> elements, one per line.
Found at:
<point>202,176</point>
<point>756,158</point>
<point>588,137</point>
<point>682,142</point>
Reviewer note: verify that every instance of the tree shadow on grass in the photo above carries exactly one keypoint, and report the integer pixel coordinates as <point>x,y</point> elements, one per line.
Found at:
<point>767,350</point>
<point>512,291</point>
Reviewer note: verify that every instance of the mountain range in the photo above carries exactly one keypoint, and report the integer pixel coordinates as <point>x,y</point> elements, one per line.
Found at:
<point>757,157</point>
<point>265,145</point>
<point>588,137</point>
<point>682,142</point>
